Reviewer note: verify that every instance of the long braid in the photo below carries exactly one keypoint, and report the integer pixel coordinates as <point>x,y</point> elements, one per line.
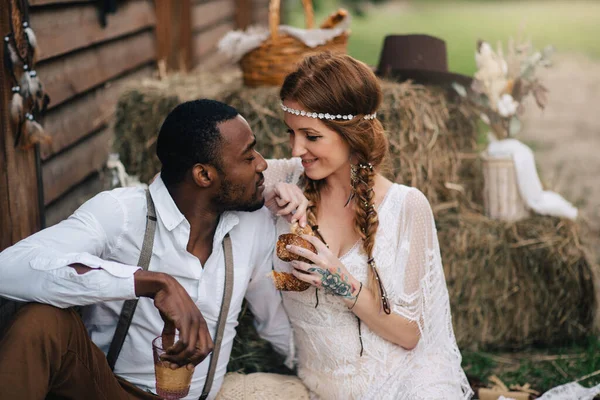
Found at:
<point>366,223</point>
<point>311,192</point>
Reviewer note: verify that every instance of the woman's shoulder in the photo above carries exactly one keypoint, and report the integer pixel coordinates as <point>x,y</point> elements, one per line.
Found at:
<point>407,196</point>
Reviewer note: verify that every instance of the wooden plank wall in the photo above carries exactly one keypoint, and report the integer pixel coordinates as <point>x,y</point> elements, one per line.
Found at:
<point>212,19</point>
<point>84,66</point>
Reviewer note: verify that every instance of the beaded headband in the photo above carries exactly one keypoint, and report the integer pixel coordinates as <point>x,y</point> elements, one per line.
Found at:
<point>324,116</point>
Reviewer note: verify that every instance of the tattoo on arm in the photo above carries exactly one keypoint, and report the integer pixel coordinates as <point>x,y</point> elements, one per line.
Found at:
<point>335,282</point>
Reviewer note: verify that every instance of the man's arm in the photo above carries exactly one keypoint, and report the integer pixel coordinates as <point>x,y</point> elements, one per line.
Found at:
<point>65,265</point>
<point>265,302</point>
<point>38,268</point>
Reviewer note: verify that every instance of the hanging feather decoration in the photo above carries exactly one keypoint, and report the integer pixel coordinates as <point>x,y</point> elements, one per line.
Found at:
<point>12,52</point>
<point>31,38</point>
<point>16,105</point>
<point>35,86</point>
<point>25,83</point>
<point>34,133</point>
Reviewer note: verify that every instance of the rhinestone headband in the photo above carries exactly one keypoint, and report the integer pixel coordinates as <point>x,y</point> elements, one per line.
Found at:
<point>324,116</point>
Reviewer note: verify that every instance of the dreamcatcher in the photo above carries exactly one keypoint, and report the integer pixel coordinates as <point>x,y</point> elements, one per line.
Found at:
<point>29,100</point>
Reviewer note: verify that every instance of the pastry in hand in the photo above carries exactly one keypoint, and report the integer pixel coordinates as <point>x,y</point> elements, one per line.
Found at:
<point>295,239</point>
<point>287,282</point>
<point>284,280</point>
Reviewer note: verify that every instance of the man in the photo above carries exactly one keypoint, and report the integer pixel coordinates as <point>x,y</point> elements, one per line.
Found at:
<point>210,172</point>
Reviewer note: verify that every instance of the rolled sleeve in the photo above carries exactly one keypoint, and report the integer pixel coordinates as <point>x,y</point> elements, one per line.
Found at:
<point>38,267</point>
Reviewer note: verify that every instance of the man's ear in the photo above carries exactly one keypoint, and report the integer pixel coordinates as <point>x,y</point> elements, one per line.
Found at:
<point>204,175</point>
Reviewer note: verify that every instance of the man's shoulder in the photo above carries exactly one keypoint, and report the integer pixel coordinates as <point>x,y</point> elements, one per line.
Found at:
<point>258,222</point>
<point>129,200</point>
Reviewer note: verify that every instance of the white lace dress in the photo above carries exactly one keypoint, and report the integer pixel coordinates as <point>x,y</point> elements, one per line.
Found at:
<point>326,334</point>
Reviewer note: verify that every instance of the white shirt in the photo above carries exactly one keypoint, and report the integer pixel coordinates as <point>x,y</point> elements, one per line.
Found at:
<point>106,233</point>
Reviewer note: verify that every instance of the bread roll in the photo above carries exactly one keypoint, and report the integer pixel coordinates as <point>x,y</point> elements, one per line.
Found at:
<point>296,229</point>
<point>295,240</point>
<point>286,281</point>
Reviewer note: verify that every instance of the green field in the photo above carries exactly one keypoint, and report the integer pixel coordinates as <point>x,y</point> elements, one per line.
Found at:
<point>570,26</point>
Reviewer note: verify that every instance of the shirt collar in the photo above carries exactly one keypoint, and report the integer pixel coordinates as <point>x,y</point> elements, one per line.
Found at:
<point>166,208</point>
<point>171,217</point>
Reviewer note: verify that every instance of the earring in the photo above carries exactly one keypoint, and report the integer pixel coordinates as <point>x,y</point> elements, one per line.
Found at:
<point>353,182</point>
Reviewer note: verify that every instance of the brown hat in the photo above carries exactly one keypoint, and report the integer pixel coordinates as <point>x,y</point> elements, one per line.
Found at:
<point>421,58</point>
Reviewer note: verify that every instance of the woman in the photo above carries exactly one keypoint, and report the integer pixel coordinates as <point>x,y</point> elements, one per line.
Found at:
<point>376,324</point>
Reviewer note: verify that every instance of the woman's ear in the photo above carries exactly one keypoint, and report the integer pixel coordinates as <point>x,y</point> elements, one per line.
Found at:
<point>352,158</point>
<point>204,175</point>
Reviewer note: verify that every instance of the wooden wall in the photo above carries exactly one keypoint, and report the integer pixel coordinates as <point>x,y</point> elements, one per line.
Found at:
<point>84,67</point>
<point>211,19</point>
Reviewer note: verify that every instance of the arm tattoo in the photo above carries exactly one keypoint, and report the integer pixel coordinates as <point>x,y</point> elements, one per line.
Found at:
<point>335,283</point>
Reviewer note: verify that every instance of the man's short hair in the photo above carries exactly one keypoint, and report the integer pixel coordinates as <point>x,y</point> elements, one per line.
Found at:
<point>189,135</point>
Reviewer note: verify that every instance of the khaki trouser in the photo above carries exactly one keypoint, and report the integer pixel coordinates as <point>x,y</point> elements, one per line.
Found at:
<point>47,353</point>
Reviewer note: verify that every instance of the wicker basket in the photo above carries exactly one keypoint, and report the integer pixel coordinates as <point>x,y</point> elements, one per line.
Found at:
<point>269,64</point>
<point>501,197</point>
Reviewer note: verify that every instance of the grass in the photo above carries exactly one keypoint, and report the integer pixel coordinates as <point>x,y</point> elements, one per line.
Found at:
<point>543,369</point>
<point>570,26</point>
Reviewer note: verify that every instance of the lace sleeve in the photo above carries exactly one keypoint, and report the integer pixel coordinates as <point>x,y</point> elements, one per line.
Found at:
<point>415,256</point>
<point>284,170</point>
<point>421,296</point>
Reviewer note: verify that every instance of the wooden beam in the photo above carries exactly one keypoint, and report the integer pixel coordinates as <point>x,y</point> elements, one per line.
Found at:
<point>174,34</point>
<point>206,42</point>
<point>243,13</point>
<point>19,211</point>
<point>61,30</point>
<point>78,118</point>
<point>74,165</point>
<point>66,77</point>
<point>205,15</point>
<point>185,53</point>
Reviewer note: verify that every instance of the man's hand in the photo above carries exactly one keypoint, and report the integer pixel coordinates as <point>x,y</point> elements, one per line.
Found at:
<point>180,313</point>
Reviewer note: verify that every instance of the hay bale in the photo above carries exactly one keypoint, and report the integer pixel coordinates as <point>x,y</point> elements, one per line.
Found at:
<point>516,284</point>
<point>140,113</point>
<point>432,135</point>
<point>433,138</point>
<point>510,285</point>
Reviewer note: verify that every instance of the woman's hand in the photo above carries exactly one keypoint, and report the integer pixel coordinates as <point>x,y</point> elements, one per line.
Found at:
<point>288,201</point>
<point>326,271</point>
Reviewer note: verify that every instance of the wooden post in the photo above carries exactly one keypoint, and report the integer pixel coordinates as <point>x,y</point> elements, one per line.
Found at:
<point>19,210</point>
<point>174,34</point>
<point>243,13</point>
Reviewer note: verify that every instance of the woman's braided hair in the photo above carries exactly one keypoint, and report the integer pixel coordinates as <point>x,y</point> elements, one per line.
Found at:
<point>339,84</point>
